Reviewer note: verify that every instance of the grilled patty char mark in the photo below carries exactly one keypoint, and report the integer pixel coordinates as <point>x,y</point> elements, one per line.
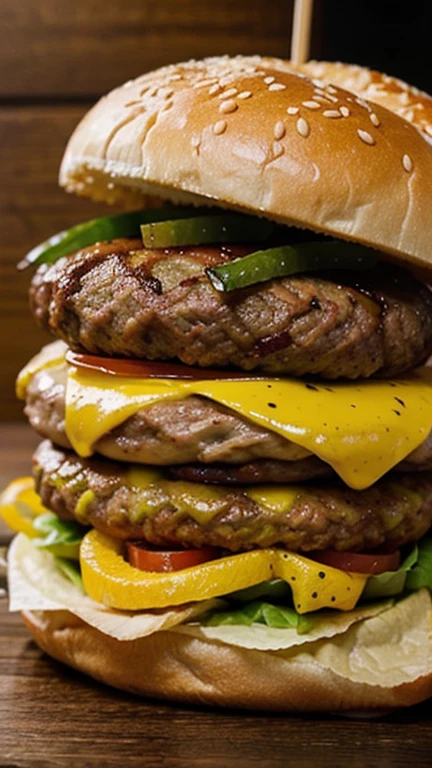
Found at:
<point>119,299</point>
<point>394,511</point>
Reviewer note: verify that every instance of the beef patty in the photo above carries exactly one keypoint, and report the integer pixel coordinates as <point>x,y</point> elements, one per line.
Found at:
<point>119,299</point>
<point>118,501</point>
<point>229,448</point>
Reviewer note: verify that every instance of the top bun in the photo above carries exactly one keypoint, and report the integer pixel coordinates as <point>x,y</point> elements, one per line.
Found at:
<point>394,94</point>
<point>249,134</point>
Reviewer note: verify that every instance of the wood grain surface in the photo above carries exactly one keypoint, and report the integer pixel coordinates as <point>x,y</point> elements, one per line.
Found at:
<point>32,207</point>
<point>56,59</point>
<point>53,716</point>
<point>85,47</point>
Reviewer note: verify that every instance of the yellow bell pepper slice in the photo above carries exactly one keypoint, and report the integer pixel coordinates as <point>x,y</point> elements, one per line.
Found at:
<point>110,580</point>
<point>20,504</point>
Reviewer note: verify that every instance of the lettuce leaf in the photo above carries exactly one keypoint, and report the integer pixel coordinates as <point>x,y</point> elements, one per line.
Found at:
<point>71,569</point>
<point>421,573</point>
<point>326,624</point>
<point>390,583</point>
<point>390,649</point>
<point>261,612</point>
<point>60,537</point>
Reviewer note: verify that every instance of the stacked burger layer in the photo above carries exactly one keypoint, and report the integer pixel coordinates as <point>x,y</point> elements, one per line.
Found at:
<point>248,410</point>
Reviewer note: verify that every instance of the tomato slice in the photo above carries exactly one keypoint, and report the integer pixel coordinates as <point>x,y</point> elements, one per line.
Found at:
<point>143,369</point>
<point>146,559</point>
<point>357,562</point>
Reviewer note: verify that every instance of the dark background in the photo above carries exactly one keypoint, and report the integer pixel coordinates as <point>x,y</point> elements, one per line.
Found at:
<point>57,57</point>
<point>387,35</point>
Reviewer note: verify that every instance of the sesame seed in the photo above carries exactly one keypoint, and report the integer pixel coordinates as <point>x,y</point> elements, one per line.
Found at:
<point>331,89</point>
<point>219,127</point>
<point>214,89</point>
<point>407,163</point>
<point>279,130</point>
<point>175,77</point>
<point>110,185</point>
<point>374,119</point>
<point>334,99</point>
<point>408,114</point>
<point>277,87</point>
<point>292,110</point>
<point>332,113</point>
<point>344,111</point>
<point>365,136</point>
<point>302,126</point>
<point>269,80</point>
<point>228,94</point>
<point>228,106</point>
<point>203,83</point>
<point>311,104</point>
<point>195,141</point>
<point>363,103</point>
<point>319,84</point>
<point>404,99</point>
<point>277,149</point>
<point>322,99</point>
<point>225,79</point>
<point>245,95</point>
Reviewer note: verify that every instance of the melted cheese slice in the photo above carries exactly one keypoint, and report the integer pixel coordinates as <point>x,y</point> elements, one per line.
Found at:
<point>362,428</point>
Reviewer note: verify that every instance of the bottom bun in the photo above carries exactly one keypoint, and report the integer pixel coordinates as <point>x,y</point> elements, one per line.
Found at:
<point>174,666</point>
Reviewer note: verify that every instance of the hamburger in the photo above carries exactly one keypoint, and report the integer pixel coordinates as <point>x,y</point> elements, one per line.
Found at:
<point>232,499</point>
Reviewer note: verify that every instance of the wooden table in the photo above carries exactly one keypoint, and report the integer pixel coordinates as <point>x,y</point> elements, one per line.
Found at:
<point>53,716</point>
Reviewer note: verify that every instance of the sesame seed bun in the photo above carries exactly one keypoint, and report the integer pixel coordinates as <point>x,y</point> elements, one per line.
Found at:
<point>174,666</point>
<point>405,100</point>
<point>248,134</point>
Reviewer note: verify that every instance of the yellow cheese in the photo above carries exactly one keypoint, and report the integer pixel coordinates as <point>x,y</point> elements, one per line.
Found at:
<point>50,355</point>
<point>362,429</point>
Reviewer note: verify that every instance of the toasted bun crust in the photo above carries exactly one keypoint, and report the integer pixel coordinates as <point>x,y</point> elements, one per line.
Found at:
<point>247,134</point>
<point>174,666</point>
<point>394,94</point>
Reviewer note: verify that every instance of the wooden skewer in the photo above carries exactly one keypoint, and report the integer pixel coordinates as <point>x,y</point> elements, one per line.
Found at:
<point>300,41</point>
